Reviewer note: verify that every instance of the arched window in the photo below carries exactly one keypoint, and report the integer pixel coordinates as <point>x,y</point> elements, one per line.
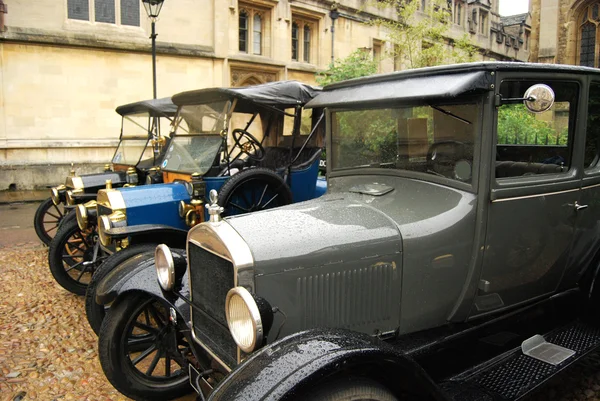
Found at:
<point>257,34</point>
<point>306,43</point>
<point>589,36</point>
<point>295,35</point>
<point>243,35</point>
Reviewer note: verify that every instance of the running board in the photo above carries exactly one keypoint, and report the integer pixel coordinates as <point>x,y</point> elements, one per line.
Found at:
<point>516,373</point>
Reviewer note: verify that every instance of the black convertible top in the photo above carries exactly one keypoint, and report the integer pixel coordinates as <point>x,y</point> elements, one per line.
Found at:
<point>155,107</point>
<point>424,83</point>
<point>280,94</point>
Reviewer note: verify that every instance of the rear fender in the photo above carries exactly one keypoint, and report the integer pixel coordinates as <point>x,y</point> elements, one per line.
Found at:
<point>306,359</point>
<point>140,275</point>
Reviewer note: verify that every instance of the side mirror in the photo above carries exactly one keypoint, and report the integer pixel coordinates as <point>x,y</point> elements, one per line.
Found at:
<point>539,98</point>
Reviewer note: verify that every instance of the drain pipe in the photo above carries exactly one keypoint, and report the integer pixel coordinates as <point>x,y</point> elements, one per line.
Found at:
<point>3,10</point>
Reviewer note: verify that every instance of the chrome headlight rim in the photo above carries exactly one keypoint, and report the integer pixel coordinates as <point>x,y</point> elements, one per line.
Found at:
<point>104,224</point>
<point>82,217</point>
<point>55,196</point>
<point>165,267</point>
<point>240,320</point>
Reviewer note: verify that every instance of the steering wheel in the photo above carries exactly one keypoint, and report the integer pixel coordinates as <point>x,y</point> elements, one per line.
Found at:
<point>252,147</point>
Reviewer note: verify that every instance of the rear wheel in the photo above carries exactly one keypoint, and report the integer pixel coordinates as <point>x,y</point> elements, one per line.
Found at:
<point>74,255</point>
<point>141,353</point>
<point>95,313</point>
<point>46,220</point>
<point>253,190</point>
<point>350,389</point>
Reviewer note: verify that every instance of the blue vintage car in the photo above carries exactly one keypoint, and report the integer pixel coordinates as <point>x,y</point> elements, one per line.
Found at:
<point>139,150</point>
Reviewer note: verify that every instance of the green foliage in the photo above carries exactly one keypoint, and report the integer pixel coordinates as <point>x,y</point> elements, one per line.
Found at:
<point>358,64</point>
<point>516,125</point>
<point>420,38</point>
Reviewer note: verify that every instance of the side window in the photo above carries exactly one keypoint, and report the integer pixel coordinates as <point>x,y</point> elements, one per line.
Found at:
<point>592,136</point>
<point>532,144</point>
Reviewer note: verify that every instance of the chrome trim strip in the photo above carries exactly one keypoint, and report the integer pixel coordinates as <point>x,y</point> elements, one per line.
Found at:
<point>591,186</point>
<point>535,195</point>
<point>220,239</point>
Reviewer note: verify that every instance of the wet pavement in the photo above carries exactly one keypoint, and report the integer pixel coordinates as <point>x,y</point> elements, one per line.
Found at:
<point>16,224</point>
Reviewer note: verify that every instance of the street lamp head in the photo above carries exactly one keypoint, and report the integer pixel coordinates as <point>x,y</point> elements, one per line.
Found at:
<point>334,13</point>
<point>153,7</point>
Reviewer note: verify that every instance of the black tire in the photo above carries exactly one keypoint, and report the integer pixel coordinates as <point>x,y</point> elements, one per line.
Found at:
<point>350,389</point>
<point>68,252</point>
<point>253,190</point>
<point>46,220</point>
<point>124,338</point>
<point>69,216</point>
<point>95,313</point>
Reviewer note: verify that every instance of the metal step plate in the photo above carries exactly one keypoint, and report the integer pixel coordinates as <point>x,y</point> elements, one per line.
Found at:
<point>537,347</point>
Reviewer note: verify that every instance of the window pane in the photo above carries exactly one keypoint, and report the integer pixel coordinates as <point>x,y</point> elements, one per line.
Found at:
<point>595,11</point>
<point>257,28</point>
<point>588,45</point>
<point>130,12</point>
<point>531,144</point>
<point>243,34</point>
<point>294,41</point>
<point>78,9</point>
<point>105,11</point>
<point>307,43</point>
<point>592,137</point>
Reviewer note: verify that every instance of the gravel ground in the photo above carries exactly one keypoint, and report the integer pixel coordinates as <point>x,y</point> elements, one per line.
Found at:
<point>48,352</point>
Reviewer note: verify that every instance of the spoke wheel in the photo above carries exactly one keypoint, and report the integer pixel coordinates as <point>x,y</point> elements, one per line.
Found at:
<point>46,220</point>
<point>74,255</point>
<point>94,312</point>
<point>349,389</point>
<point>141,353</point>
<point>253,190</point>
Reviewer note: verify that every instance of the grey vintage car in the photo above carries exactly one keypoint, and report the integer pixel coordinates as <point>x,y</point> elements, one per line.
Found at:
<point>454,255</point>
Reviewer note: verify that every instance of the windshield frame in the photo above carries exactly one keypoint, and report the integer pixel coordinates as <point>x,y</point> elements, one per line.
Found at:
<point>139,159</point>
<point>478,100</point>
<point>173,142</point>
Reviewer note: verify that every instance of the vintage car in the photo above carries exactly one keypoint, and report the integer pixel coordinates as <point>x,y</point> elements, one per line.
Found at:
<point>270,158</point>
<point>455,255</point>
<point>139,150</point>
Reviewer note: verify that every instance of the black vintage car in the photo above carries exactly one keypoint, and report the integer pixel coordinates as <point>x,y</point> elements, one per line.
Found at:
<point>455,255</point>
<point>140,144</point>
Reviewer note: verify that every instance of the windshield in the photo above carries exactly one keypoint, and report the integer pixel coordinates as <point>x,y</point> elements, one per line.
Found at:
<point>436,139</point>
<point>136,125</point>
<point>192,154</point>
<point>203,118</point>
<point>130,151</point>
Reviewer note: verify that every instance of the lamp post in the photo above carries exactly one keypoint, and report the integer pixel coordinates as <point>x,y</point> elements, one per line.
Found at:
<point>333,14</point>
<point>153,8</point>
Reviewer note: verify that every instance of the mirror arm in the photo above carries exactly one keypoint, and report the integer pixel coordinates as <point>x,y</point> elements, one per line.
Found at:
<point>504,100</point>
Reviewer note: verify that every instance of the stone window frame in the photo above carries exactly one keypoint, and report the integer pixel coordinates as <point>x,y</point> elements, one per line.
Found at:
<point>586,17</point>
<point>92,14</point>
<point>484,20</point>
<point>459,12</point>
<point>303,22</point>
<point>264,13</point>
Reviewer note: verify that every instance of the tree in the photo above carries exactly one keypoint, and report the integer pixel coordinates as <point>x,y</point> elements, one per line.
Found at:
<point>420,39</point>
<point>358,64</point>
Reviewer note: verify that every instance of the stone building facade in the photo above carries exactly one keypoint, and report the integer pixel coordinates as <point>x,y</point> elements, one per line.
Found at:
<point>567,32</point>
<point>66,64</point>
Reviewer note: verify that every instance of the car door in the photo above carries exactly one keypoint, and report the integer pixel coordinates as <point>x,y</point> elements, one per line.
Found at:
<point>587,235</point>
<point>535,186</point>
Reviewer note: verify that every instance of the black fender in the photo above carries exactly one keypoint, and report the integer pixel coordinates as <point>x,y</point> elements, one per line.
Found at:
<point>136,275</point>
<point>151,233</point>
<point>305,359</point>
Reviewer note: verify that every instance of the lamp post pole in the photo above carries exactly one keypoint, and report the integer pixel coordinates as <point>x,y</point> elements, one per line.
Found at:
<point>153,8</point>
<point>333,14</point>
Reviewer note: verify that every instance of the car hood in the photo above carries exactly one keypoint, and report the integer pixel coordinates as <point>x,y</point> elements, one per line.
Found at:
<point>98,180</point>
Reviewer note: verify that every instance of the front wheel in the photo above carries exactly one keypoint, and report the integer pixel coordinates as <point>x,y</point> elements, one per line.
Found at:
<point>140,352</point>
<point>74,255</point>
<point>95,313</point>
<point>46,220</point>
<point>350,389</point>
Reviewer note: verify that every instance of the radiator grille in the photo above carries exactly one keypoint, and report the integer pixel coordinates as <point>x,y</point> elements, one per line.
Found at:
<point>211,277</point>
<point>348,298</point>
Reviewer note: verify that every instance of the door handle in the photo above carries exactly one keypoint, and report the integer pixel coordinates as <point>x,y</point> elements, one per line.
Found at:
<point>579,207</point>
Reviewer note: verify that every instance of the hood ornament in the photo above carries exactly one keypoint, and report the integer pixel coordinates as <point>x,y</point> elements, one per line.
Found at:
<point>214,210</point>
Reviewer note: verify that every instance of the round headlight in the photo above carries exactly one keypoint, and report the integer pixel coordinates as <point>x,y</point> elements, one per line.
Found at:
<point>104,224</point>
<point>82,217</point>
<point>243,318</point>
<point>55,196</point>
<point>165,267</point>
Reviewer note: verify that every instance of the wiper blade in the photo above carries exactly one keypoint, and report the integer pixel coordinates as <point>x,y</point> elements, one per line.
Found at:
<point>446,112</point>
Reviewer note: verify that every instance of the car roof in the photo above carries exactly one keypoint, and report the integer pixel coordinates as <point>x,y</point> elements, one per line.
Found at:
<point>279,94</point>
<point>155,107</point>
<point>431,82</point>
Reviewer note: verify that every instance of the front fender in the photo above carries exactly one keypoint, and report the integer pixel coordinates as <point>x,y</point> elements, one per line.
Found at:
<point>140,275</point>
<point>304,359</point>
<point>153,233</point>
